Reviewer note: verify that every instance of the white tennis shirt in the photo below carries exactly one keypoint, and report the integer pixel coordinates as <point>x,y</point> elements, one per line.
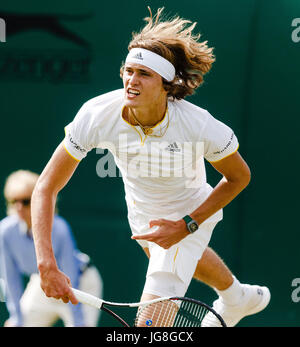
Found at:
<point>163,176</point>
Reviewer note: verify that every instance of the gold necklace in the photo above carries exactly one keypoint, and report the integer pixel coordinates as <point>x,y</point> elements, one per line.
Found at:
<point>148,130</point>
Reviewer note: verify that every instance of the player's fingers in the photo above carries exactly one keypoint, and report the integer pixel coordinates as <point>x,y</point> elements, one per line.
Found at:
<point>72,297</point>
<point>69,295</point>
<point>65,299</point>
<point>154,223</point>
<point>63,295</point>
<point>147,237</point>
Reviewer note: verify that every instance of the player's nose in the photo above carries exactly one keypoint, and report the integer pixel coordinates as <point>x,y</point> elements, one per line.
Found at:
<point>133,79</point>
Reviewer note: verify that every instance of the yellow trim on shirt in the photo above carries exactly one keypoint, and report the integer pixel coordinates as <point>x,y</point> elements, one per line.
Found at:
<point>70,153</point>
<point>133,126</point>
<point>167,110</point>
<point>215,161</point>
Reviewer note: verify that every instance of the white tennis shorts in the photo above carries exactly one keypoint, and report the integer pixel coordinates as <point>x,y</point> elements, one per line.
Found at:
<point>170,271</point>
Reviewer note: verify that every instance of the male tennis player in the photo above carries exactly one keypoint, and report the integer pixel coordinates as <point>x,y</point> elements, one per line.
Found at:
<point>158,141</point>
<point>31,307</point>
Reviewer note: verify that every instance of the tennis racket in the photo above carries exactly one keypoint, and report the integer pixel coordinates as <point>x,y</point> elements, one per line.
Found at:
<point>161,312</point>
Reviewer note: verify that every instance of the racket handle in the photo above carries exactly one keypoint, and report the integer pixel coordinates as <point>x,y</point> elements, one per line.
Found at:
<point>87,299</point>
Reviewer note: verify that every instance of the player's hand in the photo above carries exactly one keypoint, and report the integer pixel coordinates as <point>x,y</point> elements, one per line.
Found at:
<point>56,284</point>
<point>167,233</point>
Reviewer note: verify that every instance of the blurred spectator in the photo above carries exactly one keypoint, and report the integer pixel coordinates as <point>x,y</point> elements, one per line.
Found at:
<point>31,307</point>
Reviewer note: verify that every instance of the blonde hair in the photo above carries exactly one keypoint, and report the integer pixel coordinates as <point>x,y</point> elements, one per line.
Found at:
<point>16,182</point>
<point>173,39</point>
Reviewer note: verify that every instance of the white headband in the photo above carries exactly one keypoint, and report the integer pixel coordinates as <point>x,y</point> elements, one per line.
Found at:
<point>152,60</point>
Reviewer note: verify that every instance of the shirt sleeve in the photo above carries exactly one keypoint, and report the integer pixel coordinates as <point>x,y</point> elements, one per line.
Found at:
<point>92,124</point>
<point>12,280</point>
<point>67,263</point>
<point>219,140</point>
<point>78,139</point>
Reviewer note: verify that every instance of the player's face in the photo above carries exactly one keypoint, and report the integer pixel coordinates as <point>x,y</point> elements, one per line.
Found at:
<point>20,202</point>
<point>143,87</point>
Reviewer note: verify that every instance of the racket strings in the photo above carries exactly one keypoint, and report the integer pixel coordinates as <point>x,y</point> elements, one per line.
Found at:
<point>190,315</point>
<point>172,313</point>
<point>159,314</point>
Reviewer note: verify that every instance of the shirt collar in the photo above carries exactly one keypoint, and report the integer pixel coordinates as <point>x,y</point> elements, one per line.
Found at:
<point>160,127</point>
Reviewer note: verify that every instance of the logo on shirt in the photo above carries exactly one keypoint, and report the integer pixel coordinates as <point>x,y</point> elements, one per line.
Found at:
<point>75,145</point>
<point>153,159</point>
<point>228,144</point>
<point>173,147</point>
<point>260,292</point>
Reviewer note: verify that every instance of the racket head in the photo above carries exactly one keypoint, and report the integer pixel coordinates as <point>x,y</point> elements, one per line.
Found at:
<point>176,312</point>
<point>160,312</point>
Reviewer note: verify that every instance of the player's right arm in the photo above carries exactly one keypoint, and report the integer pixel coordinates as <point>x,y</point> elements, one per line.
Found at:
<point>54,177</point>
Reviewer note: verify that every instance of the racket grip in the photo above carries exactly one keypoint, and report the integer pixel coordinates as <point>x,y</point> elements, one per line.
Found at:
<point>87,299</point>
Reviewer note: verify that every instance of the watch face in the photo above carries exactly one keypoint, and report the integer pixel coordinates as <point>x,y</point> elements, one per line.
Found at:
<point>193,227</point>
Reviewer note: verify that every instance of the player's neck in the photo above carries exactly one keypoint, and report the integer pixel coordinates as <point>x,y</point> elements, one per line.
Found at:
<point>148,117</point>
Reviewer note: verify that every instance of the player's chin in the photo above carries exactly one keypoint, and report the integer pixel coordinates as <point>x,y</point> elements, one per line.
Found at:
<point>131,103</point>
<point>132,100</point>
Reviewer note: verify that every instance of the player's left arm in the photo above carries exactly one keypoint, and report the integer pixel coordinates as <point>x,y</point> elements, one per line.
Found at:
<point>236,176</point>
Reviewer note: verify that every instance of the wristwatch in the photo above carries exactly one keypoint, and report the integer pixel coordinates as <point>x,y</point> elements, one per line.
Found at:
<point>191,224</point>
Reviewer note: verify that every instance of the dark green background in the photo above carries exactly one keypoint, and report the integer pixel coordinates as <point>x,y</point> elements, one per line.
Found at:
<point>253,87</point>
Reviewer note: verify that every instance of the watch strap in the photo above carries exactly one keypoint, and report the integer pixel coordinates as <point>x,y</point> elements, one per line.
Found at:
<point>187,219</point>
